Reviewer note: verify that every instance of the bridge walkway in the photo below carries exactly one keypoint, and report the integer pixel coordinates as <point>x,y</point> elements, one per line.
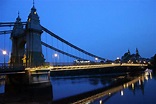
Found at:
<point>5,69</point>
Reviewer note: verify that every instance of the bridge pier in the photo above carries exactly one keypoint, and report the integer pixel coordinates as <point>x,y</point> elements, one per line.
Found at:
<point>31,86</point>
<point>38,75</point>
<point>31,76</point>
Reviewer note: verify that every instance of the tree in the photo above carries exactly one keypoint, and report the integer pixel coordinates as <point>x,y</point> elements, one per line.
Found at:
<point>153,61</point>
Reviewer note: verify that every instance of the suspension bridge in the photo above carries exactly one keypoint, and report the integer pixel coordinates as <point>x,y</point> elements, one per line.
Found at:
<point>27,47</point>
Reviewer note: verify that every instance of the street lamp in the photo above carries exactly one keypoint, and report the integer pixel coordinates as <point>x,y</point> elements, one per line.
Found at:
<point>4,52</point>
<point>56,56</point>
<point>96,59</point>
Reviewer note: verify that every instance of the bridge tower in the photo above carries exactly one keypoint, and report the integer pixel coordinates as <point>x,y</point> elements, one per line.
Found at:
<point>26,42</point>
<point>17,43</point>
<point>33,33</point>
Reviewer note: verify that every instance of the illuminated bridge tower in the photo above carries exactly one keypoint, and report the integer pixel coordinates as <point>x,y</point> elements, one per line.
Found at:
<point>18,42</point>
<point>26,42</point>
<point>34,56</point>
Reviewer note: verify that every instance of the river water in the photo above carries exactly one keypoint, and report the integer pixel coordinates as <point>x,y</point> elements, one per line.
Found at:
<point>97,89</point>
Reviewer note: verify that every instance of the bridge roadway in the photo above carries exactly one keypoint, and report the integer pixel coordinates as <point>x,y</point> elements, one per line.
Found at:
<point>77,67</point>
<point>66,67</point>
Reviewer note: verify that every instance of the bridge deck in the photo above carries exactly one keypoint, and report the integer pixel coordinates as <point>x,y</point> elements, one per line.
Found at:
<point>67,67</point>
<point>75,67</point>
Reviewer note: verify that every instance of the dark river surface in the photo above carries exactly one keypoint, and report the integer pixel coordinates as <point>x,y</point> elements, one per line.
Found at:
<point>95,89</point>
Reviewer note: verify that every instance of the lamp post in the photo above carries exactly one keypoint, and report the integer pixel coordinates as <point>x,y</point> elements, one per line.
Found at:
<point>4,52</point>
<point>56,56</point>
<point>96,59</point>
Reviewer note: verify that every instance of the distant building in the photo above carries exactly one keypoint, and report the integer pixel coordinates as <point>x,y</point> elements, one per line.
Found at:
<point>132,58</point>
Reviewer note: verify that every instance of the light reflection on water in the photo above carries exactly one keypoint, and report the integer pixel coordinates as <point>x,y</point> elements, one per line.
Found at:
<point>140,92</point>
<point>2,82</point>
<point>1,89</point>
<point>72,86</point>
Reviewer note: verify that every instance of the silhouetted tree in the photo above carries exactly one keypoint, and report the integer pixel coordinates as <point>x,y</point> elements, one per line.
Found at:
<point>153,61</point>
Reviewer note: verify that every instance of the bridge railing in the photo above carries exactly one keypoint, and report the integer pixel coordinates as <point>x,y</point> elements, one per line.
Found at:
<point>6,67</point>
<point>71,63</point>
<point>53,66</point>
<point>92,63</point>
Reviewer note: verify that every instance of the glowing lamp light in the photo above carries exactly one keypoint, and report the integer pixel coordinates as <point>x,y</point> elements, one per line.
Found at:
<point>96,59</point>
<point>55,55</point>
<point>4,52</point>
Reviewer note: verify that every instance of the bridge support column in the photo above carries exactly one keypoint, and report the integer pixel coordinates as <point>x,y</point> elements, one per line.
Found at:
<point>33,38</point>
<point>26,42</point>
<point>18,42</point>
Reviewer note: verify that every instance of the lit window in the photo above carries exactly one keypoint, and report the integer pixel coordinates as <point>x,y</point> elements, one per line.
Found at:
<point>34,12</point>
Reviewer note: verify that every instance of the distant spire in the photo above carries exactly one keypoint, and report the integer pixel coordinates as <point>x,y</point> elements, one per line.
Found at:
<point>33,8</point>
<point>33,3</point>
<point>137,52</point>
<point>18,13</point>
<point>18,19</point>
<point>128,52</point>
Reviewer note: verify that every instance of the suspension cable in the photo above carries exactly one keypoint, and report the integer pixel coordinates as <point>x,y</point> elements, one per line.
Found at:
<point>66,42</point>
<point>60,51</point>
<point>46,50</point>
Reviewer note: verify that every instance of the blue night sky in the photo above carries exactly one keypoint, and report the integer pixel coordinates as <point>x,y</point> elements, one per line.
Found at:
<point>107,28</point>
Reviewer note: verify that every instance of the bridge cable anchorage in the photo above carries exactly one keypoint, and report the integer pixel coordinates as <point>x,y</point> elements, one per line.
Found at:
<point>73,46</point>
<point>60,51</point>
